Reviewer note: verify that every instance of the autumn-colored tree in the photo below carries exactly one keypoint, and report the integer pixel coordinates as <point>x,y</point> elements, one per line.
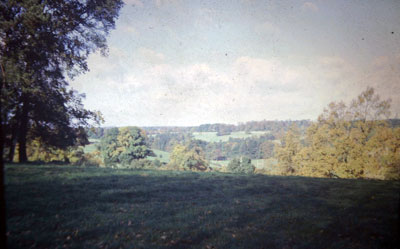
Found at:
<point>348,142</point>
<point>184,158</point>
<point>287,151</point>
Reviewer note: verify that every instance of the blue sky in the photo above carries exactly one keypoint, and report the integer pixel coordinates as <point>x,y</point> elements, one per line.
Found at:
<point>176,62</point>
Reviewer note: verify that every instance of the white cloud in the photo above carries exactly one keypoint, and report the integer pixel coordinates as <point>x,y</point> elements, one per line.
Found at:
<point>249,89</point>
<point>310,6</point>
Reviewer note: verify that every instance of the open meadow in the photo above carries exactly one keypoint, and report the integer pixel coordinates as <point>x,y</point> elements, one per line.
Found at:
<point>77,207</point>
<point>213,137</point>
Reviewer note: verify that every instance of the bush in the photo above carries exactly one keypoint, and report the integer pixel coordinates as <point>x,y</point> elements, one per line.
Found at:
<point>92,159</point>
<point>183,158</point>
<point>157,163</point>
<point>241,165</point>
<point>143,164</point>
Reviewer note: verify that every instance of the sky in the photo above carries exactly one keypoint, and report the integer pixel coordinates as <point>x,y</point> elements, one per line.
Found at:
<point>186,63</point>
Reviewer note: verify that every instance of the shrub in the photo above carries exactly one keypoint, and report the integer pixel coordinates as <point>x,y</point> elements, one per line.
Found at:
<point>241,165</point>
<point>156,163</point>
<point>183,158</point>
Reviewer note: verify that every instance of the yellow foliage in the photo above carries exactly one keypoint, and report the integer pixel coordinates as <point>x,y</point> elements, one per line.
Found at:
<point>346,142</point>
<point>183,158</point>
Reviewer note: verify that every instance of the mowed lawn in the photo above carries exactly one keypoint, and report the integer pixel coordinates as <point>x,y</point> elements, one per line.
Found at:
<point>73,207</point>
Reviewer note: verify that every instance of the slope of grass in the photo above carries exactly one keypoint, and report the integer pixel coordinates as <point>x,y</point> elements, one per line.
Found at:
<point>162,156</point>
<point>212,136</point>
<point>91,146</point>
<point>73,207</point>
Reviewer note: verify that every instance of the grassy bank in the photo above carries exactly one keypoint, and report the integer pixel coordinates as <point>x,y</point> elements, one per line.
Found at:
<point>59,206</point>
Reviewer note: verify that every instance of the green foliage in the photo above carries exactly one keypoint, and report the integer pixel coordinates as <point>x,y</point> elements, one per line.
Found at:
<point>41,43</point>
<point>124,145</point>
<point>157,163</point>
<point>37,151</point>
<point>241,165</point>
<point>184,158</point>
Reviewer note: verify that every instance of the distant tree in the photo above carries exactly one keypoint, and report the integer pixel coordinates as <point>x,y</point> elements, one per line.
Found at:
<point>95,132</point>
<point>241,165</point>
<point>184,158</point>
<point>266,149</point>
<point>167,141</point>
<point>124,145</point>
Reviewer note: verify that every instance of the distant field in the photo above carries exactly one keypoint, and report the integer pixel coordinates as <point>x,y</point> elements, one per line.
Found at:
<point>258,163</point>
<point>162,156</point>
<point>92,146</point>
<point>94,140</point>
<point>76,207</point>
<point>212,136</point>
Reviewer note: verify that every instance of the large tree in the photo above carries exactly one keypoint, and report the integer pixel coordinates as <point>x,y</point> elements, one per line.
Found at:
<point>124,145</point>
<point>41,41</point>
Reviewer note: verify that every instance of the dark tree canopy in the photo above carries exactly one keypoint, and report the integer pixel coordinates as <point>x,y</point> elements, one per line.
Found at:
<point>41,42</point>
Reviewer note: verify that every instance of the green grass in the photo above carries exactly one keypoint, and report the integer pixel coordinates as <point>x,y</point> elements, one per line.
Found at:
<point>212,136</point>
<point>91,146</point>
<point>74,207</point>
<point>162,156</point>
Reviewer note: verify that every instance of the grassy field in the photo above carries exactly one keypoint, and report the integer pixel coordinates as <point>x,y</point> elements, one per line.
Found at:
<point>162,156</point>
<point>73,207</point>
<point>92,146</point>
<point>212,136</point>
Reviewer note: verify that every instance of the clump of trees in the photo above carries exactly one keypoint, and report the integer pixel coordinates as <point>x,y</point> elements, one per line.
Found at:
<point>188,158</point>
<point>124,146</point>
<point>354,141</point>
<point>241,165</point>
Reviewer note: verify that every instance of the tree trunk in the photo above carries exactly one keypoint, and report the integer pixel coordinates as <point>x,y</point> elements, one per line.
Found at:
<point>12,142</point>
<point>3,222</point>
<point>23,132</point>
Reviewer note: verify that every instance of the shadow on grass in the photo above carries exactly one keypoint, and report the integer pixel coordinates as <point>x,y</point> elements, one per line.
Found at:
<point>59,206</point>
